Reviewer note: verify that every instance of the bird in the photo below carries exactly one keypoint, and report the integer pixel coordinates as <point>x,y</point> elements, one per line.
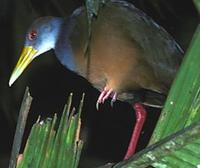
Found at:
<point>131,58</point>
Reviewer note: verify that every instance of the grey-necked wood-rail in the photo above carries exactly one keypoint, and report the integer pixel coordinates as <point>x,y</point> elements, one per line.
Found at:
<point>129,53</point>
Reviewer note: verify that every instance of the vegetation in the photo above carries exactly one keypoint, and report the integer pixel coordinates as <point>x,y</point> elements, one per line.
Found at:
<point>174,143</point>
<point>48,147</point>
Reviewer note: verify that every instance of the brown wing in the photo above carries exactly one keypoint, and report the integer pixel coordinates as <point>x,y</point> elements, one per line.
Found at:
<point>160,50</point>
<point>127,49</point>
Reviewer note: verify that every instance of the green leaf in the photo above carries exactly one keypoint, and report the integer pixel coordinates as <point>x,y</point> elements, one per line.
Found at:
<point>50,148</point>
<point>181,149</point>
<point>181,110</point>
<point>197,3</point>
<point>183,103</point>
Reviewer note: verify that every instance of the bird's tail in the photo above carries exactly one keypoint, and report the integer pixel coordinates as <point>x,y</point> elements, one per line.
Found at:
<point>154,99</point>
<point>146,97</point>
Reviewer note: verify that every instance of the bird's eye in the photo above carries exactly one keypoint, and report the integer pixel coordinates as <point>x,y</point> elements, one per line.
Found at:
<point>32,35</point>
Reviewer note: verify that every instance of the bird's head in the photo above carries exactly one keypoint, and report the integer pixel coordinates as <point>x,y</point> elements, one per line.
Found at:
<point>41,37</point>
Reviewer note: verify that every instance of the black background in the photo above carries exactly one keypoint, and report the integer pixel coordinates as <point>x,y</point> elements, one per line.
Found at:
<point>107,131</point>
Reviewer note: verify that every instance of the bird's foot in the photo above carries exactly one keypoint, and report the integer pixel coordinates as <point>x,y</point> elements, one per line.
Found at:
<point>105,94</point>
<point>140,119</point>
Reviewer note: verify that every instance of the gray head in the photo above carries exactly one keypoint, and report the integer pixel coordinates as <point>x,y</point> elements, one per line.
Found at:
<point>41,37</point>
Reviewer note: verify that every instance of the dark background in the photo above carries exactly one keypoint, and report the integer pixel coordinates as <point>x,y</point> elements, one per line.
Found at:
<point>107,131</point>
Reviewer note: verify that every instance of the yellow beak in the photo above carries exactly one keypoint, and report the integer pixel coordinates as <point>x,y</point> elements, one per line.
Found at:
<point>27,55</point>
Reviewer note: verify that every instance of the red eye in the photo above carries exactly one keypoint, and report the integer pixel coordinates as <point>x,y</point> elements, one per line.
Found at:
<point>32,35</point>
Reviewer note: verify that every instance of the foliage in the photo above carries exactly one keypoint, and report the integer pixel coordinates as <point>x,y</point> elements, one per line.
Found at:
<point>48,148</point>
<point>181,109</point>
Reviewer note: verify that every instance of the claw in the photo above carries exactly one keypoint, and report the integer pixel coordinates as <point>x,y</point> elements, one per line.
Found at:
<point>114,98</point>
<point>97,105</point>
<point>112,103</point>
<point>105,95</point>
<point>101,96</point>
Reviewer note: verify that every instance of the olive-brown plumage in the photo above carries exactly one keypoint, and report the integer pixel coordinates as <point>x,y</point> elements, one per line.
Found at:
<point>128,54</point>
<point>128,50</point>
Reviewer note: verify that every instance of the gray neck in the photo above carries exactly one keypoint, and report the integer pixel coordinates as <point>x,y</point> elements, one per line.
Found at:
<point>63,48</point>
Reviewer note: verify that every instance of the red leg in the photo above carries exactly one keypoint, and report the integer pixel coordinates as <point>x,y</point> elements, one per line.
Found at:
<point>140,119</point>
